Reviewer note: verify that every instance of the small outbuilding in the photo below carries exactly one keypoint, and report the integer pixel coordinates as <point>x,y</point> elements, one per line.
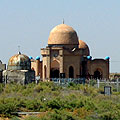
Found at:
<point>19,70</point>
<point>2,67</point>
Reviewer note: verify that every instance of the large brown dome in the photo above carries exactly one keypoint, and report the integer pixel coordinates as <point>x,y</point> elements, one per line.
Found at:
<point>84,46</point>
<point>63,35</point>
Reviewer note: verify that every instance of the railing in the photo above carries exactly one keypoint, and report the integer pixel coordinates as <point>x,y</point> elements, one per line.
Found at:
<point>63,81</point>
<point>66,81</point>
<point>114,84</point>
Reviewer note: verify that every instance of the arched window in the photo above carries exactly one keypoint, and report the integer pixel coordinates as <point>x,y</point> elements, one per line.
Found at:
<point>45,72</point>
<point>97,74</point>
<point>71,72</point>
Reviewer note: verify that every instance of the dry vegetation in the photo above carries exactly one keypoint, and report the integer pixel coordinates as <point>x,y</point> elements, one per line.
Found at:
<point>74,102</point>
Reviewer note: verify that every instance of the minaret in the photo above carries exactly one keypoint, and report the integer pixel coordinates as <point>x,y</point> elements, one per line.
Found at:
<point>37,65</point>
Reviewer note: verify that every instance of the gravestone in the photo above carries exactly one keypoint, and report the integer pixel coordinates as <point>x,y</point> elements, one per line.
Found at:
<point>107,90</point>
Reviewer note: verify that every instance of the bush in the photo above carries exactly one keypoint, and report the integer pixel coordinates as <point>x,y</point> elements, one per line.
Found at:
<point>1,87</point>
<point>7,106</point>
<point>67,103</point>
<point>34,105</point>
<point>81,112</point>
<point>93,82</point>
<point>55,103</point>
<point>59,115</point>
<point>110,115</point>
<point>15,118</point>
<point>32,118</point>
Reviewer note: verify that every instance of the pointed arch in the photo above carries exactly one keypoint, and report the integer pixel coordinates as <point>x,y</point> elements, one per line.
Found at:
<point>98,74</point>
<point>71,72</point>
<point>54,71</point>
<point>55,64</point>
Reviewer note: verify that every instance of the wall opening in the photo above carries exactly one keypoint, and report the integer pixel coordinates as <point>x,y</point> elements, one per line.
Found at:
<point>71,72</point>
<point>97,75</point>
<point>54,71</point>
<point>45,74</point>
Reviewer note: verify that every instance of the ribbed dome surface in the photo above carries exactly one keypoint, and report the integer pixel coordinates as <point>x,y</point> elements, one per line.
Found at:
<point>63,35</point>
<point>84,46</point>
<point>19,62</point>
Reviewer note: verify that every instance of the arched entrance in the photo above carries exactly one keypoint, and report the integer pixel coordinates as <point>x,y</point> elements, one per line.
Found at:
<point>71,72</point>
<point>54,72</point>
<point>97,74</point>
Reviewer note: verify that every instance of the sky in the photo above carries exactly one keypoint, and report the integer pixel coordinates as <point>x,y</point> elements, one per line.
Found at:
<point>27,23</point>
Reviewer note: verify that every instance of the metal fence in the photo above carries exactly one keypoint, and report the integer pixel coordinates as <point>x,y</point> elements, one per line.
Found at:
<point>66,81</point>
<point>115,84</point>
<point>99,83</point>
<point>63,81</point>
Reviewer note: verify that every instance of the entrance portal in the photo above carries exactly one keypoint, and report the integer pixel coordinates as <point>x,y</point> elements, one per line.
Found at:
<point>54,73</point>
<point>97,75</point>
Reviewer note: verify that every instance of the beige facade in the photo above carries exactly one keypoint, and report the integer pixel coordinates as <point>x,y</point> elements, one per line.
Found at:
<point>68,57</point>
<point>36,65</point>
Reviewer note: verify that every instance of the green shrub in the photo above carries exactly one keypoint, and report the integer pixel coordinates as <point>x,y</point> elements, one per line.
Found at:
<point>67,103</point>
<point>93,82</point>
<point>32,118</point>
<point>59,115</point>
<point>71,84</point>
<point>15,118</point>
<point>1,87</point>
<point>55,103</point>
<point>7,106</point>
<point>110,115</point>
<point>34,105</point>
<point>38,88</point>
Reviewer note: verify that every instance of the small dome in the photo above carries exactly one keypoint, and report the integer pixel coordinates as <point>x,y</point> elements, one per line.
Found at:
<point>30,57</point>
<point>63,35</point>
<point>83,45</point>
<point>37,58</point>
<point>19,62</point>
<point>107,57</point>
<point>89,57</point>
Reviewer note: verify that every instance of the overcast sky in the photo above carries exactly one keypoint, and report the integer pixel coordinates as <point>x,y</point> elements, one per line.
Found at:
<point>28,23</point>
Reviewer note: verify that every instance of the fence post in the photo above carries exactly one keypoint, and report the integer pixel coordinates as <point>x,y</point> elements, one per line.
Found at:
<point>59,81</point>
<point>117,84</point>
<point>98,83</point>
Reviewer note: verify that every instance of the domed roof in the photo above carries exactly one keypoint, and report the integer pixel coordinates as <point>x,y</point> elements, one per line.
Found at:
<point>37,58</point>
<point>63,35</point>
<point>83,45</point>
<point>30,57</point>
<point>107,57</point>
<point>19,62</point>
